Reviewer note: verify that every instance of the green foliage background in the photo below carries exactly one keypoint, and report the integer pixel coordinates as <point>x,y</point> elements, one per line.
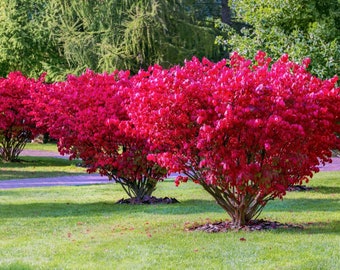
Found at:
<point>301,28</point>
<point>68,36</point>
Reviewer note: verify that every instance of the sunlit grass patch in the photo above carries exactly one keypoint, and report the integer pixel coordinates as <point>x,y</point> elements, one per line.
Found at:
<point>51,147</point>
<point>35,167</point>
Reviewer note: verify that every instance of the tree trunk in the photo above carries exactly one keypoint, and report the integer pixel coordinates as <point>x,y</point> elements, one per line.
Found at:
<point>11,146</point>
<point>240,217</point>
<point>136,189</point>
<point>226,13</point>
<point>242,208</point>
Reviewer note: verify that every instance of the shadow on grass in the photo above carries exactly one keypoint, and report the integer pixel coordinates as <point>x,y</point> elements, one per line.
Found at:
<point>183,208</point>
<point>16,174</point>
<point>38,162</point>
<point>327,189</point>
<point>61,210</point>
<point>32,210</point>
<point>303,204</point>
<point>331,227</point>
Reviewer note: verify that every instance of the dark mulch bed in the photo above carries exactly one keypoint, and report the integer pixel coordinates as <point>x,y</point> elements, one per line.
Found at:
<point>256,225</point>
<point>148,200</point>
<point>299,188</point>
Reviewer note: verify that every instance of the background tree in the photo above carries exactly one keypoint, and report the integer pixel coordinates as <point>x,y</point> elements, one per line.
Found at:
<point>68,36</point>
<point>243,131</point>
<point>24,39</point>
<point>16,125</point>
<point>301,28</point>
<point>226,14</point>
<point>126,34</point>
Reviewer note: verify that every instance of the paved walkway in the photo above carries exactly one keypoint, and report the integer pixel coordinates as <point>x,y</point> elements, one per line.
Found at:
<point>77,180</point>
<point>89,179</point>
<point>41,153</point>
<point>74,180</point>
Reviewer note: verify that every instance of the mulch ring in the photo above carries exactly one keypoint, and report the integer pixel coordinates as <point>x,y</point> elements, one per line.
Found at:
<point>255,225</point>
<point>148,200</point>
<point>299,188</point>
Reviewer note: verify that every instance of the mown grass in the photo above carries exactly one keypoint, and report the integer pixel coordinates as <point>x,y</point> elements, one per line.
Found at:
<point>83,228</point>
<point>51,147</point>
<point>36,167</point>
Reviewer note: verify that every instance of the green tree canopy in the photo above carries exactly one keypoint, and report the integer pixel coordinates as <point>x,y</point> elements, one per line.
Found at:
<point>301,28</point>
<point>24,40</point>
<point>68,36</point>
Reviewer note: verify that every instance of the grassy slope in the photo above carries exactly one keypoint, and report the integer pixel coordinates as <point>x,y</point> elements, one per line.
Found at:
<point>82,228</point>
<point>51,147</point>
<point>33,167</point>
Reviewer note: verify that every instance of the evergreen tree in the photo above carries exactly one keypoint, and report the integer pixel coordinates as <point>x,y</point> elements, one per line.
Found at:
<point>69,36</point>
<point>24,41</point>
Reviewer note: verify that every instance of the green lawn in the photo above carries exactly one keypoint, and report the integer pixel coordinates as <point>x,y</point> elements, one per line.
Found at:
<point>83,228</point>
<point>51,147</point>
<point>35,167</point>
<point>38,167</point>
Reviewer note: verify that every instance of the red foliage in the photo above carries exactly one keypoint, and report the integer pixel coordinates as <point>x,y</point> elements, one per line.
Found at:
<point>88,116</point>
<point>244,131</point>
<point>16,125</point>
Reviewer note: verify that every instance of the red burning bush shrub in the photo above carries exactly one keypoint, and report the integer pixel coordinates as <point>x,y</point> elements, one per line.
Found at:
<point>245,131</point>
<point>16,124</point>
<point>87,114</point>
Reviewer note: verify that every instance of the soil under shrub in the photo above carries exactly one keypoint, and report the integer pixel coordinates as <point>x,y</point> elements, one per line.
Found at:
<point>299,188</point>
<point>148,200</point>
<point>255,225</point>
